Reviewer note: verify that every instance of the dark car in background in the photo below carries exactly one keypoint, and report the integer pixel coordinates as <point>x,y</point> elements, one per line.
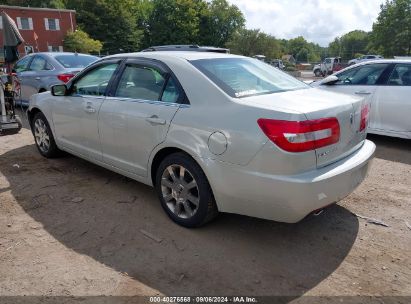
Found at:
<point>37,72</point>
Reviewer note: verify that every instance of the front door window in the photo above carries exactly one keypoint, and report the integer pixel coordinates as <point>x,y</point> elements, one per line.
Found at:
<point>95,82</point>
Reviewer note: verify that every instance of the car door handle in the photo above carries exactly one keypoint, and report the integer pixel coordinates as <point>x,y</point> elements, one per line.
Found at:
<point>89,108</point>
<point>362,93</point>
<point>155,120</point>
<point>37,78</point>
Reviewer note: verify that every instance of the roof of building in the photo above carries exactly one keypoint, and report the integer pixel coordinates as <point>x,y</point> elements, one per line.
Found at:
<point>35,8</point>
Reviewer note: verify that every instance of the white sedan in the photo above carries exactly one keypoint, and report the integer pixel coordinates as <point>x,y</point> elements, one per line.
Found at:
<point>211,132</point>
<point>386,84</point>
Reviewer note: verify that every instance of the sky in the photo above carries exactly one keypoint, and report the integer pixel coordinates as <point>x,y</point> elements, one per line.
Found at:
<point>318,21</point>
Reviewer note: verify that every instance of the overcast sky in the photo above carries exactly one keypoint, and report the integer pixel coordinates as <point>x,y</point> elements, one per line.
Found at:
<point>318,21</point>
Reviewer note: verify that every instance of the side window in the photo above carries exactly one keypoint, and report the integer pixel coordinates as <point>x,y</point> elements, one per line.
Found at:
<point>171,92</point>
<point>401,75</point>
<point>140,82</point>
<point>38,64</point>
<point>363,75</point>
<point>22,65</point>
<point>95,81</point>
<point>328,60</point>
<point>48,67</point>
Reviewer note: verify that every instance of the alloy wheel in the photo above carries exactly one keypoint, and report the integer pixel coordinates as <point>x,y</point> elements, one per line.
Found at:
<point>180,191</point>
<point>41,135</point>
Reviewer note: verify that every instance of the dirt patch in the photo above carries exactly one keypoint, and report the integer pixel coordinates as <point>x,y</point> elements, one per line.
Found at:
<point>68,227</point>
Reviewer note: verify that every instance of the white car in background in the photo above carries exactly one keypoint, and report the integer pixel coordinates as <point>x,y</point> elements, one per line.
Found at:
<point>386,84</point>
<point>364,58</point>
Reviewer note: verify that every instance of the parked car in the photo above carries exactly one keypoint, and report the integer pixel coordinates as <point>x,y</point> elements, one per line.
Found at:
<point>211,132</point>
<point>278,63</point>
<point>386,84</point>
<point>328,66</point>
<point>37,72</point>
<point>364,58</point>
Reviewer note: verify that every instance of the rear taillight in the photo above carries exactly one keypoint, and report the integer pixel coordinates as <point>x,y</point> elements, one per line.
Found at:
<point>65,77</point>
<point>365,113</point>
<point>300,136</point>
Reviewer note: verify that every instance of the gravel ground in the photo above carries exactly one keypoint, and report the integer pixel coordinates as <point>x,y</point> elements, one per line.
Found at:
<point>68,227</point>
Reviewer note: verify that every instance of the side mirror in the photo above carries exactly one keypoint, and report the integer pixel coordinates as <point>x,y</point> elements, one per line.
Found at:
<point>59,90</point>
<point>332,79</point>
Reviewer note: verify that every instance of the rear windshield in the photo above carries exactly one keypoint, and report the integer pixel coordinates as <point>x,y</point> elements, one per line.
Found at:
<point>75,61</point>
<point>242,77</point>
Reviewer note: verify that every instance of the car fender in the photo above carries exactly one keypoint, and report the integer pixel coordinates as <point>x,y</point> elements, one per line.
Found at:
<point>43,103</point>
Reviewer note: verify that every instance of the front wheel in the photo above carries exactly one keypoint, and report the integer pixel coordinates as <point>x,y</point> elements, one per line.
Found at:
<point>44,137</point>
<point>184,191</point>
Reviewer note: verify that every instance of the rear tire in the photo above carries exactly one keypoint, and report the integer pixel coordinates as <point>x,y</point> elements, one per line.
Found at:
<point>43,136</point>
<point>184,191</point>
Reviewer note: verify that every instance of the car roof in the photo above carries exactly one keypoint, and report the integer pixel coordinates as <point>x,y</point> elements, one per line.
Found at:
<point>375,61</point>
<point>186,47</point>
<point>53,54</point>
<point>384,61</point>
<point>176,54</point>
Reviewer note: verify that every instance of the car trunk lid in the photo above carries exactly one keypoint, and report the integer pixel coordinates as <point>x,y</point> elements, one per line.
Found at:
<point>318,104</point>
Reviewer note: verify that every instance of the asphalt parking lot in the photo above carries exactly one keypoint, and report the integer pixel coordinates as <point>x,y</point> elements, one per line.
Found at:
<point>71,228</point>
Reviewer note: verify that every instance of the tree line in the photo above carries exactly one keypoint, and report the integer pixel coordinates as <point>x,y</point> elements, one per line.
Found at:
<point>110,26</point>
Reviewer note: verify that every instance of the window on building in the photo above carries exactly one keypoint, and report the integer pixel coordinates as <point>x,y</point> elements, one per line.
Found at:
<point>24,23</point>
<point>52,48</point>
<point>52,24</point>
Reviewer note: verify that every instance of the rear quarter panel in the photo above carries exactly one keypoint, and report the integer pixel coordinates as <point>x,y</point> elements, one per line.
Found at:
<point>212,110</point>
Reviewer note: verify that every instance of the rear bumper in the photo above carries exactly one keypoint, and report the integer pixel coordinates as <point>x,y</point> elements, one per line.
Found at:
<point>289,198</point>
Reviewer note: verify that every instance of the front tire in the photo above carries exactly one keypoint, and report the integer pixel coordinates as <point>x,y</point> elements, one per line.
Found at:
<point>317,73</point>
<point>43,136</point>
<point>184,191</point>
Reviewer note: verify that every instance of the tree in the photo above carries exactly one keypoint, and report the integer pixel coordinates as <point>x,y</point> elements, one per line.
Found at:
<point>175,22</point>
<point>302,50</point>
<point>254,42</point>
<point>218,22</point>
<point>302,55</point>
<point>350,44</point>
<point>391,34</point>
<point>79,41</point>
<point>112,22</point>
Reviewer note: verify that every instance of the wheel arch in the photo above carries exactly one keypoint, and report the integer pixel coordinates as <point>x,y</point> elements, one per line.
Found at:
<point>32,113</point>
<point>160,155</point>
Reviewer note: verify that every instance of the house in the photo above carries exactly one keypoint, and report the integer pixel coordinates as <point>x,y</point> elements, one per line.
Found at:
<point>43,29</point>
<point>289,58</point>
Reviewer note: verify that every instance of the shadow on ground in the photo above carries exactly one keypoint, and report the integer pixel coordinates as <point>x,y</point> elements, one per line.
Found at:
<point>232,255</point>
<point>392,148</point>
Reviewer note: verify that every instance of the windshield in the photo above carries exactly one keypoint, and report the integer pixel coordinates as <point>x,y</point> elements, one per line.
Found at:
<point>242,77</point>
<point>75,61</point>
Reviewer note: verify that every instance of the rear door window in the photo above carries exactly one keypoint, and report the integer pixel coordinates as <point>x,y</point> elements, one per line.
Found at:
<point>38,64</point>
<point>141,82</point>
<point>401,75</point>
